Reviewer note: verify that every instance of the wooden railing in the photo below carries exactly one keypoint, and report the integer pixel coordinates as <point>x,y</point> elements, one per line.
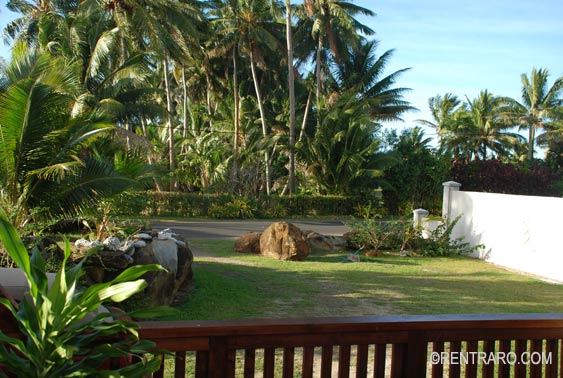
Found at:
<point>507,345</point>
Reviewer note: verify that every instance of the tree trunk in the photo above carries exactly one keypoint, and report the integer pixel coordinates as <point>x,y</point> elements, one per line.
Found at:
<point>306,115</point>
<point>531,140</point>
<point>185,123</point>
<point>236,115</point>
<point>262,118</point>
<point>291,82</point>
<point>170,126</point>
<point>318,77</point>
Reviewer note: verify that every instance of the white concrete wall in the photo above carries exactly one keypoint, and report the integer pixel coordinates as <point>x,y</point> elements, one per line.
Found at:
<point>519,232</point>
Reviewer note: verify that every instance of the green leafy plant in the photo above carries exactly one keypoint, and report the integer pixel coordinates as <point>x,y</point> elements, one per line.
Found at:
<point>57,334</point>
<point>441,243</point>
<point>238,208</point>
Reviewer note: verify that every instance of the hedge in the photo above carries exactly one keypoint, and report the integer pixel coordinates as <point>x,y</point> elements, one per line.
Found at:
<point>232,206</point>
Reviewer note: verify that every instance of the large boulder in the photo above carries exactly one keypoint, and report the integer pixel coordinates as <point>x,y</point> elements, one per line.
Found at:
<point>248,243</point>
<point>146,248</point>
<point>284,241</point>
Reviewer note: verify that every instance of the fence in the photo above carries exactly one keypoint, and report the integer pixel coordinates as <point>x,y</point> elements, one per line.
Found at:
<point>509,345</point>
<point>518,232</point>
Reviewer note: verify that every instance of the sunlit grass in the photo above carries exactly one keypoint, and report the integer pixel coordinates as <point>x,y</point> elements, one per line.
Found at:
<point>234,286</point>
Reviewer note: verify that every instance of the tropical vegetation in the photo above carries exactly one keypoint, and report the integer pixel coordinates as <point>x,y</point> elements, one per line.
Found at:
<point>235,97</point>
<point>59,330</point>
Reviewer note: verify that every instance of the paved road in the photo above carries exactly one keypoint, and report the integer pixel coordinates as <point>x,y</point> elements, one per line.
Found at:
<point>234,229</point>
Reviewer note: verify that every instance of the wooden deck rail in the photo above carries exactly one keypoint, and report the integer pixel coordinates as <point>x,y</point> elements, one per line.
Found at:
<point>507,345</point>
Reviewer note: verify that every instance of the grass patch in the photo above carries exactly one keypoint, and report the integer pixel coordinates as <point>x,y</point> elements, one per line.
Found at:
<point>235,286</point>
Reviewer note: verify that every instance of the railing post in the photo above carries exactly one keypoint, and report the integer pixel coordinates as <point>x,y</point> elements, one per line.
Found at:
<point>218,358</point>
<point>449,187</point>
<point>417,355</point>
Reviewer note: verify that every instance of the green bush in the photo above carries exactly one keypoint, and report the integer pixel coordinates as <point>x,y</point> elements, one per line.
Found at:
<point>232,206</point>
<point>401,235</point>
<point>57,340</point>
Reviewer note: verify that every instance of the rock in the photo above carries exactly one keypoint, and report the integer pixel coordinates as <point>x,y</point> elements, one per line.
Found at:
<point>165,236</point>
<point>142,236</point>
<point>112,243</point>
<point>325,243</point>
<point>163,286</point>
<point>180,243</point>
<point>82,243</point>
<point>166,254</point>
<point>248,243</point>
<point>128,247</point>
<point>96,243</point>
<point>185,273</point>
<point>140,244</point>
<point>284,241</point>
<point>114,259</point>
<point>352,257</point>
<point>144,256</point>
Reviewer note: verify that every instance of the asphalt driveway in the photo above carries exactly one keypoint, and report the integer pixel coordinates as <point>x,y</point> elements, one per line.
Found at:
<point>234,229</point>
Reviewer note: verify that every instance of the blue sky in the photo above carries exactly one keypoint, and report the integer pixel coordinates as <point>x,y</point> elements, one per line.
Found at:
<point>459,46</point>
<point>465,46</point>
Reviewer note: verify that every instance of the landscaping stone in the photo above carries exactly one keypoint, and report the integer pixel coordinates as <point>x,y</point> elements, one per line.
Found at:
<point>284,241</point>
<point>166,254</point>
<point>164,248</point>
<point>325,243</point>
<point>248,243</point>
<point>112,243</point>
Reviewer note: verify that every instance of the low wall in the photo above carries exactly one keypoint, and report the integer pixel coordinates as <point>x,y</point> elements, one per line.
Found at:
<point>518,232</point>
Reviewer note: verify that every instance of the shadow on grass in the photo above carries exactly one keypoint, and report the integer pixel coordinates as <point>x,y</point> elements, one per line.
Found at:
<point>267,288</point>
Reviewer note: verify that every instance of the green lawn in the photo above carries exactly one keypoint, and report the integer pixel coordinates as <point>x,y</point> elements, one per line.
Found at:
<point>234,286</point>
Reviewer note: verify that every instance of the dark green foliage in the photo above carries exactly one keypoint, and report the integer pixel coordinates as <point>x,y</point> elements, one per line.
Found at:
<point>57,338</point>
<point>402,235</point>
<point>440,242</point>
<point>498,177</point>
<point>203,205</point>
<point>416,180</point>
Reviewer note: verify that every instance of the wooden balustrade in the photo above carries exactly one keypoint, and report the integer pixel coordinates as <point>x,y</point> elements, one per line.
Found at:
<point>397,346</point>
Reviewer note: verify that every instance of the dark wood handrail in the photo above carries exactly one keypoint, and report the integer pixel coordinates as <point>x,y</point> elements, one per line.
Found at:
<point>404,341</point>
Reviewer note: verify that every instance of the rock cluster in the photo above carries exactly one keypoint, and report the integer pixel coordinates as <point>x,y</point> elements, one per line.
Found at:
<point>285,241</point>
<point>150,247</point>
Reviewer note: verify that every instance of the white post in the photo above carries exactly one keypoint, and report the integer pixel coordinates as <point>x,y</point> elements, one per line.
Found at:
<point>449,187</point>
<point>418,216</point>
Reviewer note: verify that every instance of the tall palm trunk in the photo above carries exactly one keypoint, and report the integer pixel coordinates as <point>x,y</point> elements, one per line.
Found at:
<point>236,120</point>
<point>170,126</point>
<point>262,117</point>
<point>291,83</point>
<point>318,77</point>
<point>306,115</point>
<point>185,123</point>
<point>531,139</point>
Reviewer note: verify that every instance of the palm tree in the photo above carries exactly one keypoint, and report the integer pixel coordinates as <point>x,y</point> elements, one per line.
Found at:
<point>249,26</point>
<point>291,88</point>
<point>361,73</point>
<point>442,109</point>
<point>343,156</point>
<point>540,107</point>
<point>332,23</point>
<point>165,28</point>
<point>40,20</point>
<point>489,134</point>
<point>46,165</point>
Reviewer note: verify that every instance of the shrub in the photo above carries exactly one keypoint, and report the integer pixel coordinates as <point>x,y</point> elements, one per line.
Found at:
<point>401,235</point>
<point>238,208</point>
<point>214,205</point>
<point>57,340</point>
<point>498,177</point>
<point>440,242</point>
